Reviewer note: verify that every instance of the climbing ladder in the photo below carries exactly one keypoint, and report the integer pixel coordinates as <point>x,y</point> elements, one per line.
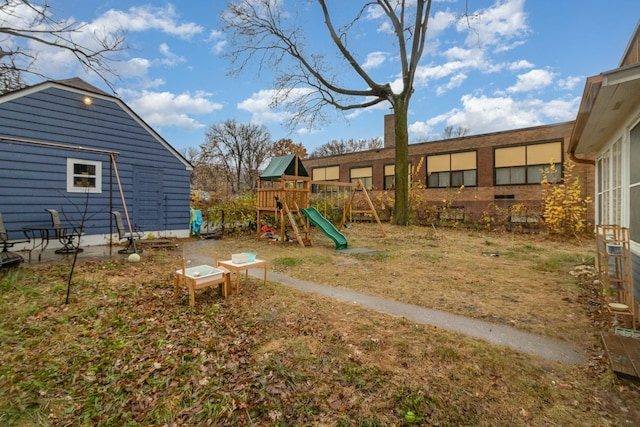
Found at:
<point>297,223</point>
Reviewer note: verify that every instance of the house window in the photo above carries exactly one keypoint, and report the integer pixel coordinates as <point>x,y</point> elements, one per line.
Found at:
<point>330,173</point>
<point>609,191</point>
<point>363,174</point>
<point>524,164</point>
<point>452,170</point>
<point>84,176</point>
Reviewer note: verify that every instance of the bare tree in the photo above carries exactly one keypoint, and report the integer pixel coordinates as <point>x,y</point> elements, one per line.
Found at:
<point>208,176</point>
<point>454,132</point>
<point>306,83</point>
<point>240,150</point>
<point>29,25</point>
<point>335,147</point>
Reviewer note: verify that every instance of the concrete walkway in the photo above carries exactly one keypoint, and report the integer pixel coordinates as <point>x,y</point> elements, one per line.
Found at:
<point>494,333</point>
<point>546,348</point>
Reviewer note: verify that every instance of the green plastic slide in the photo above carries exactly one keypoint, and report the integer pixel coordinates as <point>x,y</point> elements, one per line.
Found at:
<point>327,228</point>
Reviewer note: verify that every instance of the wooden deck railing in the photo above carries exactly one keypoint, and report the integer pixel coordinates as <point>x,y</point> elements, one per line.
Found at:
<point>291,196</point>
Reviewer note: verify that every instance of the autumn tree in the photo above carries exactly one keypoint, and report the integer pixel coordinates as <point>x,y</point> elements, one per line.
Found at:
<point>240,149</point>
<point>29,26</point>
<point>335,147</point>
<point>306,82</point>
<point>285,146</point>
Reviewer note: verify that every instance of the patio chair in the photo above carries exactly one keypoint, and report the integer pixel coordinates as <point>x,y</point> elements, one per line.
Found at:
<point>129,236</point>
<point>7,257</point>
<point>66,234</point>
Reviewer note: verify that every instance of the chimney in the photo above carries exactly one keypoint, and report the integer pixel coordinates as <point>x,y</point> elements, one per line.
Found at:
<point>389,131</point>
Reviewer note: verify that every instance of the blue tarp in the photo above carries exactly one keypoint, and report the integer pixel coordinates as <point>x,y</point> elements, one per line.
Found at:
<point>196,221</point>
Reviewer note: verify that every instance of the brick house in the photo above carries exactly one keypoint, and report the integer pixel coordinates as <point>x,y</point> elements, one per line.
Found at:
<point>477,174</point>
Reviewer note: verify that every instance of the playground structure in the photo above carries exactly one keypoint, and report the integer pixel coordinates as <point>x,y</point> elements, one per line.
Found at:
<point>284,191</point>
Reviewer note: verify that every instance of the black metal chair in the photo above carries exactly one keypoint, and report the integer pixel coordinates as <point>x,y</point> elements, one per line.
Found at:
<point>65,234</point>
<point>7,257</point>
<point>129,236</point>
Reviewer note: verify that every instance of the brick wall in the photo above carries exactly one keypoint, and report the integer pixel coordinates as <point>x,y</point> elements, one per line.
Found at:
<point>474,199</point>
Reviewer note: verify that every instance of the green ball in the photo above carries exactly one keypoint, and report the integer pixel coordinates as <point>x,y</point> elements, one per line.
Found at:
<point>134,257</point>
<point>410,416</point>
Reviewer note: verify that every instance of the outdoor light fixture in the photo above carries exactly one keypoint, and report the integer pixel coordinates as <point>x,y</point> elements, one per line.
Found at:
<point>87,100</point>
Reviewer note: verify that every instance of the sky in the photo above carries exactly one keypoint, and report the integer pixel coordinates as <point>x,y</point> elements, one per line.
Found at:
<point>515,64</point>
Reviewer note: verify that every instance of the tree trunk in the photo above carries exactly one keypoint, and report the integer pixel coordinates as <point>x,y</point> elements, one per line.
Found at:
<point>401,205</point>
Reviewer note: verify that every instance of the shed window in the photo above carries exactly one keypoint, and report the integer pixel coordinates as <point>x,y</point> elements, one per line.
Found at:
<point>84,176</point>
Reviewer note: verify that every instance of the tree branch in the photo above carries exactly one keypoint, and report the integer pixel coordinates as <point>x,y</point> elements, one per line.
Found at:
<point>43,30</point>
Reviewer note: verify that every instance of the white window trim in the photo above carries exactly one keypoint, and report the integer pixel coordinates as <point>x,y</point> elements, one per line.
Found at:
<point>626,178</point>
<point>71,188</point>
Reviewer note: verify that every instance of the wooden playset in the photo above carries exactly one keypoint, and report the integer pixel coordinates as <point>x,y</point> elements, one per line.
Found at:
<point>284,191</point>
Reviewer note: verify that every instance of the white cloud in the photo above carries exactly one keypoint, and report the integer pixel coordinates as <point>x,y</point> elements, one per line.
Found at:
<point>258,102</point>
<point>134,67</point>
<point>144,18</point>
<point>483,114</point>
<point>170,58</point>
<point>219,47</point>
<point>260,105</point>
<point>520,65</point>
<point>496,26</point>
<point>215,35</point>
<point>58,63</point>
<point>534,79</point>
<point>439,22</point>
<point>454,82</point>
<point>306,131</point>
<point>419,131</point>
<point>561,110</point>
<point>374,60</point>
<point>424,74</point>
<point>166,109</point>
<point>570,82</point>
<point>218,39</point>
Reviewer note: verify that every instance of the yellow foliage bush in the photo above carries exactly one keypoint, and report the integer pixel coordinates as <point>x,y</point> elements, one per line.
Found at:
<point>565,207</point>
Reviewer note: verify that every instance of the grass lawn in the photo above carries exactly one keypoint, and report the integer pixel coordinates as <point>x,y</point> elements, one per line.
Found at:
<point>125,352</point>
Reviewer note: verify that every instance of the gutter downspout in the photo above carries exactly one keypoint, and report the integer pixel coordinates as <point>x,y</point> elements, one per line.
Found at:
<point>572,156</point>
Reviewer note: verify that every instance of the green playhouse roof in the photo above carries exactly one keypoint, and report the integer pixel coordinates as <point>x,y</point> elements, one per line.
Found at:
<point>284,165</point>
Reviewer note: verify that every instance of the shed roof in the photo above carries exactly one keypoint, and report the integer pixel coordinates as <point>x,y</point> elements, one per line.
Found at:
<point>285,165</point>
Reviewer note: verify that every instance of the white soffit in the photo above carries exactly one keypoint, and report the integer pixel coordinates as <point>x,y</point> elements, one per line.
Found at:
<point>617,98</point>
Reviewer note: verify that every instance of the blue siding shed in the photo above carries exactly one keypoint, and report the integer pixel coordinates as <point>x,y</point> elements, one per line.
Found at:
<point>57,141</point>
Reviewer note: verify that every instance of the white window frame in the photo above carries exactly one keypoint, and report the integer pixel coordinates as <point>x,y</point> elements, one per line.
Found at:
<point>628,185</point>
<point>71,188</point>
